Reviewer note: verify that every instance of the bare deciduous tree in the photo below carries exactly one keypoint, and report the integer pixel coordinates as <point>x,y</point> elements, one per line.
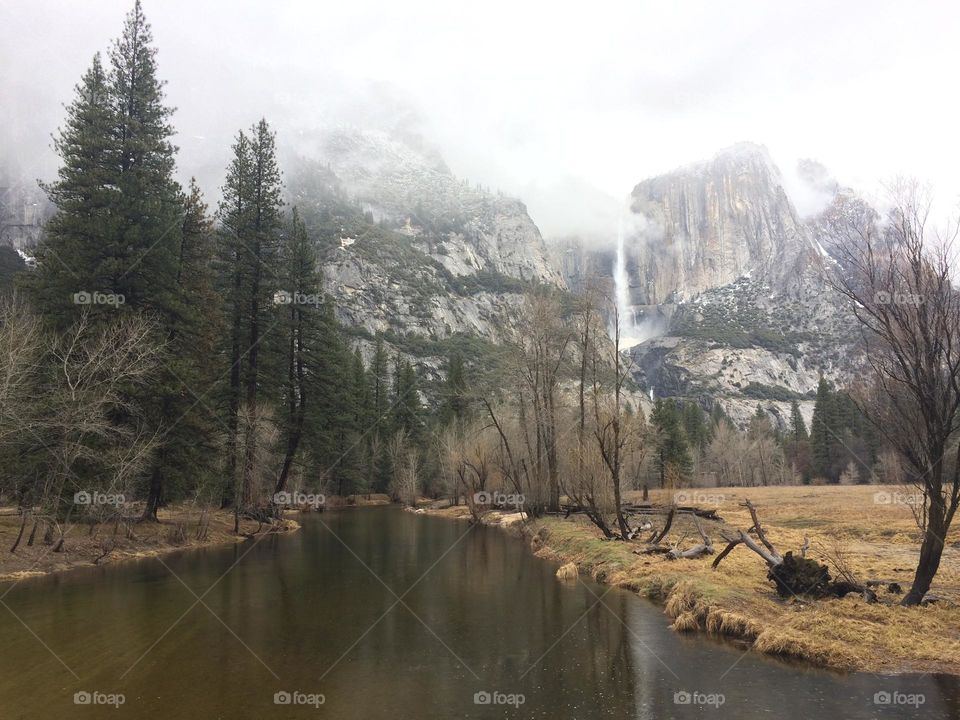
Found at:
<point>897,276</point>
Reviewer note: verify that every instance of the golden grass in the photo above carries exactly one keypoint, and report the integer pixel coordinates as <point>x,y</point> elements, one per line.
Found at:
<point>879,541</point>
<point>568,572</point>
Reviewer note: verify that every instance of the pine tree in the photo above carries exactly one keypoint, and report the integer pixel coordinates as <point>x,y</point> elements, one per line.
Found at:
<point>407,410</point>
<point>141,258</point>
<point>672,459</point>
<point>68,261</point>
<point>187,458</point>
<point>695,426</point>
<point>798,428</point>
<point>116,228</point>
<point>251,226</point>
<point>823,429</point>
<point>300,279</point>
<point>264,240</point>
<point>455,391</point>
<point>117,231</point>
<point>718,416</point>
<point>234,213</point>
<point>363,423</point>
<point>380,381</point>
<point>360,381</point>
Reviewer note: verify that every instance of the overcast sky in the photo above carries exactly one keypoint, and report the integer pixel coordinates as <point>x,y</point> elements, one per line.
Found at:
<point>548,102</point>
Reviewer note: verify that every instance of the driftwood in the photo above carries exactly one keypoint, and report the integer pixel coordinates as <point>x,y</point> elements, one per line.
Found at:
<point>653,547</point>
<point>703,548</point>
<point>652,543</point>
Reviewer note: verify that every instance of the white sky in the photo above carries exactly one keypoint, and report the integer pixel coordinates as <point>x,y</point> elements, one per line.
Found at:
<point>548,101</point>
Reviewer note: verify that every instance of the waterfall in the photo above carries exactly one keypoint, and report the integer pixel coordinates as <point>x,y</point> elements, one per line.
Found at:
<point>621,281</point>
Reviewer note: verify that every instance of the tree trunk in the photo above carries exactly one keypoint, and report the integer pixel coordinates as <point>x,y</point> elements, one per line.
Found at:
<point>930,552</point>
<point>23,525</point>
<point>233,419</point>
<point>155,494</point>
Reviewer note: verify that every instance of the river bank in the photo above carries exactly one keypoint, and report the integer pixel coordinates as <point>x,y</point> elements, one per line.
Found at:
<point>736,601</point>
<point>179,528</point>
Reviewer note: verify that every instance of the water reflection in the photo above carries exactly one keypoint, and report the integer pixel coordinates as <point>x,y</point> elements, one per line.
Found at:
<point>318,612</point>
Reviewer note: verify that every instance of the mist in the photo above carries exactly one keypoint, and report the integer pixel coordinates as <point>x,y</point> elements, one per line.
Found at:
<point>567,111</point>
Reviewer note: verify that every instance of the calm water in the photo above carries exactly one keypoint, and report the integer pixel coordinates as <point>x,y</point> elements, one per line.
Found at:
<point>311,613</point>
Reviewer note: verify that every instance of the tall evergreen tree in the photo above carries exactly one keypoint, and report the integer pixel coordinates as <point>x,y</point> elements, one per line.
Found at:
<point>455,391</point>
<point>673,458</point>
<point>380,380</point>
<point>300,279</point>
<point>407,410</point>
<point>233,256</point>
<point>265,219</point>
<point>695,425</point>
<point>141,258</point>
<point>187,457</point>
<point>823,433</point>
<point>69,259</point>
<point>798,428</point>
<point>118,209</point>
<point>251,224</point>
<point>117,231</point>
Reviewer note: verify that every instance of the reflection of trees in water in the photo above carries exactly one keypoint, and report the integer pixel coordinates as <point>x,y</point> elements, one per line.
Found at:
<point>607,648</point>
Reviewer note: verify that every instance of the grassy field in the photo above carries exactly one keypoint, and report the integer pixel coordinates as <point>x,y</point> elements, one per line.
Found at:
<point>875,535</point>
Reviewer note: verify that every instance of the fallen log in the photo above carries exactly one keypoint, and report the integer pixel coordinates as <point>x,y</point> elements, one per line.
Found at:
<point>657,537</point>
<point>647,509</point>
<point>651,509</point>
<point>703,548</point>
<point>793,575</point>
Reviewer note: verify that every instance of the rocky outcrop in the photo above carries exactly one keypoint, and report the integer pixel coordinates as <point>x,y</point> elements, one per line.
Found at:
<point>402,181</point>
<point>24,209</point>
<point>579,260</point>
<point>706,225</point>
<point>412,252</point>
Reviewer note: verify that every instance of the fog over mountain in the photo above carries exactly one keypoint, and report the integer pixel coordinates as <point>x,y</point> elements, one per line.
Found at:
<point>528,98</point>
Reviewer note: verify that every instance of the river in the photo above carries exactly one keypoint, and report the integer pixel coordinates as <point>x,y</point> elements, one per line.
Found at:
<point>379,613</point>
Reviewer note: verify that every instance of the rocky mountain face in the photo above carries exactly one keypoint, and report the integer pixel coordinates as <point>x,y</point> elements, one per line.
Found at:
<point>23,210</point>
<point>706,225</point>
<point>579,261</point>
<point>411,251</point>
<point>732,285</point>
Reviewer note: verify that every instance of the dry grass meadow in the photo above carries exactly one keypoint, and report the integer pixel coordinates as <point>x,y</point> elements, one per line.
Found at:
<point>873,538</point>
